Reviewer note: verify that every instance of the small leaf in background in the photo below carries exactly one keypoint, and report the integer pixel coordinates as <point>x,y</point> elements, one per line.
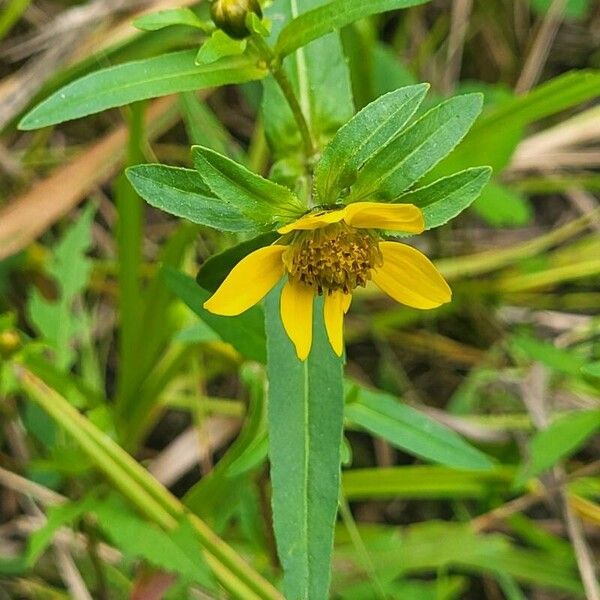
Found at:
<point>593,369</point>
<point>254,196</point>
<point>561,439</point>
<point>446,198</point>
<point>138,80</point>
<point>363,136</point>
<point>305,435</point>
<point>557,359</point>
<point>574,9</point>
<point>245,333</point>
<point>174,16</point>
<point>218,46</point>
<point>420,147</point>
<point>183,193</point>
<point>411,431</point>
<point>503,206</point>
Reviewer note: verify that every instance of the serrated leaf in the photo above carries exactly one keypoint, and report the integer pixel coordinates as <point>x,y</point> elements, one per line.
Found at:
<point>363,136</point>
<point>305,434</point>
<point>412,431</point>
<point>561,439</point>
<point>257,198</point>
<point>138,80</point>
<point>334,15</point>
<point>219,45</point>
<point>420,147</point>
<point>174,16</point>
<point>183,193</point>
<point>245,333</point>
<point>446,198</point>
<point>214,271</point>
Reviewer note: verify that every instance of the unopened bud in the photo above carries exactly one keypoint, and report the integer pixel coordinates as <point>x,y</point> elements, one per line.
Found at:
<point>230,16</point>
<point>10,342</point>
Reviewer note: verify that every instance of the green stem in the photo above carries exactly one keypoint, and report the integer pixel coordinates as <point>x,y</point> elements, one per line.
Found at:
<point>285,85</point>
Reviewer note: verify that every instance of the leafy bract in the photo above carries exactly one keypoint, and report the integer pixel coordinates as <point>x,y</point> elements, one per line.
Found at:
<point>138,80</point>
<point>218,46</point>
<point>363,136</point>
<point>333,15</point>
<point>258,198</point>
<point>401,163</point>
<point>174,16</point>
<point>446,198</point>
<point>183,193</point>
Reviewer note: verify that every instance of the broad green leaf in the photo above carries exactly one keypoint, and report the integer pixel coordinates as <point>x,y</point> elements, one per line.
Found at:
<point>245,333</point>
<point>138,80</point>
<point>423,482</point>
<point>561,439</point>
<point>332,15</point>
<point>593,369</point>
<point>366,134</point>
<point>417,150</point>
<point>410,430</point>
<point>174,16</point>
<point>305,435</point>
<point>557,359</point>
<point>262,200</point>
<point>214,271</point>
<point>503,206</point>
<point>446,198</point>
<point>183,193</point>
<point>319,75</point>
<point>218,46</point>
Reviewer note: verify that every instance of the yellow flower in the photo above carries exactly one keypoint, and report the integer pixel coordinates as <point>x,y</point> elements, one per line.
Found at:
<point>332,252</point>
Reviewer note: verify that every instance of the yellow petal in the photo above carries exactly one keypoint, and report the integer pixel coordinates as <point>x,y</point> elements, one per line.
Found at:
<point>297,315</point>
<point>410,277</point>
<point>379,215</point>
<point>333,311</point>
<point>347,302</point>
<point>314,221</point>
<point>248,283</point>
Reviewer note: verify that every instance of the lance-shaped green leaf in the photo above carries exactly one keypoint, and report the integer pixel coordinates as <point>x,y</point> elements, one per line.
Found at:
<point>305,434</point>
<point>411,430</point>
<point>256,197</point>
<point>448,197</point>
<point>183,193</point>
<point>174,16</point>
<point>366,134</point>
<point>333,15</point>
<point>420,147</point>
<point>138,80</point>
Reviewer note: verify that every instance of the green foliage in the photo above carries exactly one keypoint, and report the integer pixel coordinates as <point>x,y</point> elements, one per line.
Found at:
<point>173,16</point>
<point>305,435</point>
<point>219,45</point>
<point>138,80</point>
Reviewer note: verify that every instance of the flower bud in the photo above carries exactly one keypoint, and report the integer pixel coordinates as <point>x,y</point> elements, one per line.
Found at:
<point>230,16</point>
<point>10,342</point>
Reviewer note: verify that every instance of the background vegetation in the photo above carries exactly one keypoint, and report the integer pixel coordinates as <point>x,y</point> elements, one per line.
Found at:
<point>133,447</point>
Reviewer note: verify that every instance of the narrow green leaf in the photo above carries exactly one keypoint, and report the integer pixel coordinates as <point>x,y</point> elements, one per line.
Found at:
<point>411,155</point>
<point>557,359</point>
<point>218,46</point>
<point>562,438</point>
<point>305,434</point>
<point>411,430</point>
<point>593,369</point>
<point>503,206</point>
<point>255,197</point>
<point>214,271</point>
<point>245,333</point>
<point>183,193</point>
<point>138,80</point>
<point>446,198</point>
<point>333,15</point>
<point>367,133</point>
<point>174,16</point>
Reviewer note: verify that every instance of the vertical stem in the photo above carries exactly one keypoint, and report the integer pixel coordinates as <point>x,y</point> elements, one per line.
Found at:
<point>129,243</point>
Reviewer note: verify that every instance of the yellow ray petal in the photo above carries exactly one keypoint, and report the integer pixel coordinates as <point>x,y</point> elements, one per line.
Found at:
<point>333,311</point>
<point>410,277</point>
<point>248,283</point>
<point>347,302</point>
<point>314,221</point>
<point>379,215</point>
<point>297,315</point>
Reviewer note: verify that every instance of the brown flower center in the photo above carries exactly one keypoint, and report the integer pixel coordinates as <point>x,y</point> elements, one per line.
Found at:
<point>335,257</point>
